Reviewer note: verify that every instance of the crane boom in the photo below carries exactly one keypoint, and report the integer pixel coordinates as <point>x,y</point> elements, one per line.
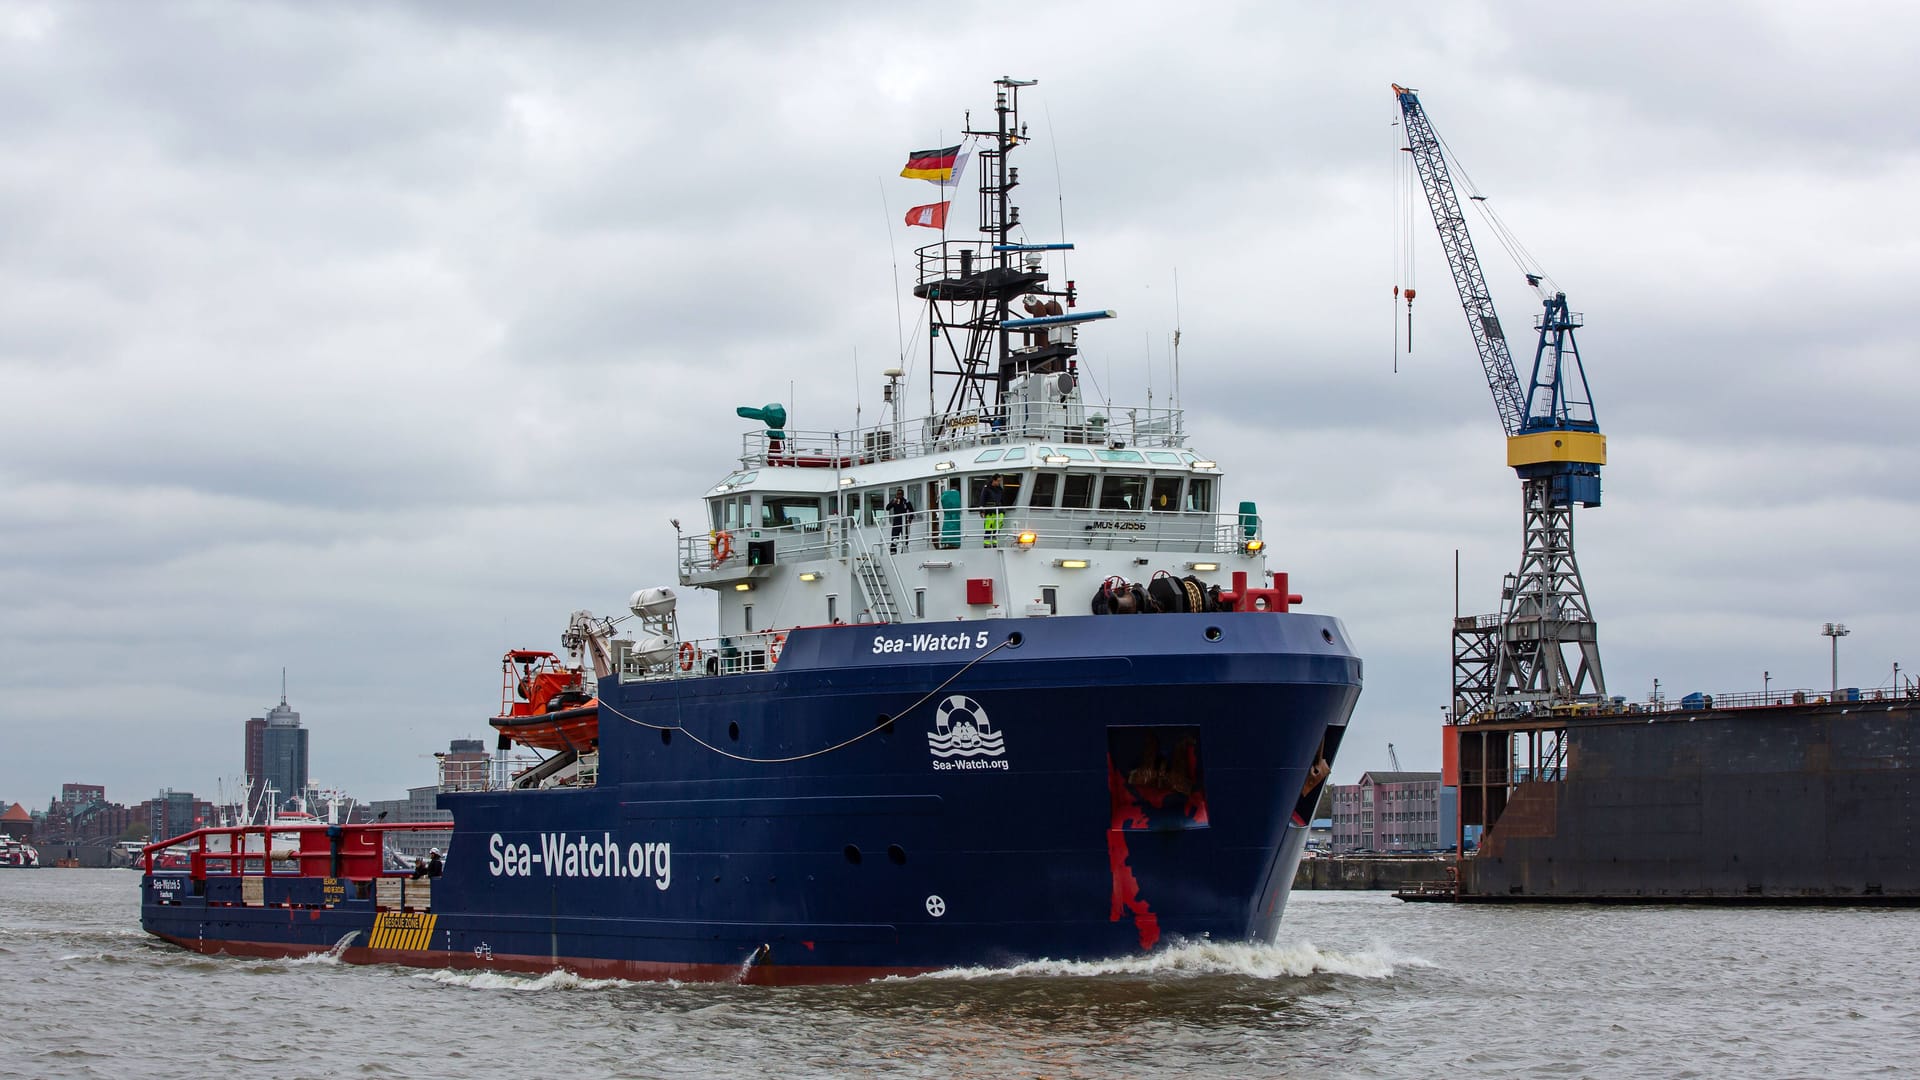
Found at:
<point>1468,280</point>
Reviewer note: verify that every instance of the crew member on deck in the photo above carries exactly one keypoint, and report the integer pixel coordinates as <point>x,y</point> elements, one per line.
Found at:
<point>433,863</point>
<point>902,512</point>
<point>993,502</point>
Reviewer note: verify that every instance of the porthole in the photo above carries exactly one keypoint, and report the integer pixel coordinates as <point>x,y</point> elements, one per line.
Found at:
<point>666,736</point>
<point>897,854</point>
<point>1213,633</point>
<point>733,732</point>
<point>853,854</point>
<point>1014,639</point>
<point>884,723</point>
<point>1326,636</point>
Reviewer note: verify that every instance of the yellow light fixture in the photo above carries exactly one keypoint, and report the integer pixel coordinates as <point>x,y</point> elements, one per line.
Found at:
<point>1203,566</point>
<point>1070,564</point>
<point>846,481</point>
<point>744,586</point>
<point>1205,465</point>
<point>810,576</point>
<point>1057,459</point>
<point>1028,538</point>
<point>943,466</point>
<point>1254,547</point>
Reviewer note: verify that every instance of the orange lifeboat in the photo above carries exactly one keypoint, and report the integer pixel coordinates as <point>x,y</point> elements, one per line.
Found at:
<point>546,704</point>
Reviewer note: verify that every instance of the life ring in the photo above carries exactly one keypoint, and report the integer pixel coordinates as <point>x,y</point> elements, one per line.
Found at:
<point>774,645</point>
<point>688,654</point>
<point>722,547</point>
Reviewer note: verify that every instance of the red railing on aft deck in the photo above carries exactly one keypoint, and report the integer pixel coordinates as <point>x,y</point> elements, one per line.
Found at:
<point>238,850</point>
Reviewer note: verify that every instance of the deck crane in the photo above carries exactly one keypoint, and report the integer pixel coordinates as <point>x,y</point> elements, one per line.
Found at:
<point>1519,661</point>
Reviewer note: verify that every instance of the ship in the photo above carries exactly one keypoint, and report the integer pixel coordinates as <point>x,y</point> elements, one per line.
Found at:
<point>1004,682</point>
<point>17,854</point>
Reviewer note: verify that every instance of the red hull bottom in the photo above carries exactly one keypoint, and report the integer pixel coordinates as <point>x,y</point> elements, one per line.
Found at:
<point>586,967</point>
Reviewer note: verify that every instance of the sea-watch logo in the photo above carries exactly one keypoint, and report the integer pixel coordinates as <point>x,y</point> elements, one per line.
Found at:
<point>963,737</point>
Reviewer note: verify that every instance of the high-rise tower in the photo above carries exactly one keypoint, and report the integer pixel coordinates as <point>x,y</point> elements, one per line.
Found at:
<point>283,751</point>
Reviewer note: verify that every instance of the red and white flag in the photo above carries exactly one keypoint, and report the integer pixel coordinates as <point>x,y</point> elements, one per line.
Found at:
<point>932,215</point>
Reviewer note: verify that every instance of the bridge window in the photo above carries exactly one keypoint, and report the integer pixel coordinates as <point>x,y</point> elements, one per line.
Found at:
<point>1200,494</point>
<point>1018,453</point>
<point>1078,492</point>
<point>780,511</point>
<point>1123,492</point>
<point>746,613</point>
<point>1009,482</point>
<point>1075,453</point>
<point>1166,493</point>
<point>1119,455</point>
<point>988,455</point>
<point>1046,488</point>
<point>1164,457</point>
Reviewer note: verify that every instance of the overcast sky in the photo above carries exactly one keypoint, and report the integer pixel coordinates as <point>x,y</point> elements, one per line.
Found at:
<point>372,340</point>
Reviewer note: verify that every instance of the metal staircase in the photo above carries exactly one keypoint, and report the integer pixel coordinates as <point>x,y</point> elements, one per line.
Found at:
<point>870,568</point>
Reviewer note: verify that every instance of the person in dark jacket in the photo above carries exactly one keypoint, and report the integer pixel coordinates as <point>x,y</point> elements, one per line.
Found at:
<point>433,863</point>
<point>993,503</point>
<point>902,512</point>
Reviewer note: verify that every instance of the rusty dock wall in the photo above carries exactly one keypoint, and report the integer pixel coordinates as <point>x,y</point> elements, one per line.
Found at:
<point>1815,803</point>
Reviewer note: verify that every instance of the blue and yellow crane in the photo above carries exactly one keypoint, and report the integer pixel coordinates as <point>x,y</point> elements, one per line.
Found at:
<point>1542,651</point>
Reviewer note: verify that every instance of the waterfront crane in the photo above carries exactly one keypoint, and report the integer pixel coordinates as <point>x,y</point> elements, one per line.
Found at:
<point>1542,650</point>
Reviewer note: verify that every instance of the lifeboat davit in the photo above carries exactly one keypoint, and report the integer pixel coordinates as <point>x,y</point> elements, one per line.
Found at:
<point>545,703</point>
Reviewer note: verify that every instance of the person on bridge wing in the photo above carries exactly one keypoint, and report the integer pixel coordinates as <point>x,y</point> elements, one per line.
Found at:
<point>902,512</point>
<point>433,863</point>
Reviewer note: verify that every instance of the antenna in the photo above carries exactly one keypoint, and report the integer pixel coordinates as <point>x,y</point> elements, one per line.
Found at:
<point>1176,349</point>
<point>283,686</point>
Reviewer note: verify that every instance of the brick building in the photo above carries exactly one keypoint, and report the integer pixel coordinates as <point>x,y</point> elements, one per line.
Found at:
<point>1394,812</point>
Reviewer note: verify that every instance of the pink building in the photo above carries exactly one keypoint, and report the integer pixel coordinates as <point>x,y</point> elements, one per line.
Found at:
<point>1393,812</point>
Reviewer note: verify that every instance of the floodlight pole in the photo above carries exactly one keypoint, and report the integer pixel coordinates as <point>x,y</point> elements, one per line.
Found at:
<point>1834,632</point>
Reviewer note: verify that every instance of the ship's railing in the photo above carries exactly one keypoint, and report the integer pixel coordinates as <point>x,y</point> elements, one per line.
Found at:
<point>722,654</point>
<point>1098,425</point>
<point>281,850</point>
<point>1542,714</point>
<point>1762,699</point>
<point>1189,532</point>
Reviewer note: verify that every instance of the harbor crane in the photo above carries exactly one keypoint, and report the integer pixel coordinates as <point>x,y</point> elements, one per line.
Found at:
<point>1542,651</point>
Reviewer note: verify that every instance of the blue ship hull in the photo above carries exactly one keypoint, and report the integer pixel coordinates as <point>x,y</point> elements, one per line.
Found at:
<point>887,799</point>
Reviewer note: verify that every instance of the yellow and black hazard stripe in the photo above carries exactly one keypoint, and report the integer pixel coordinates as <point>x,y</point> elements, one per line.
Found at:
<point>402,930</point>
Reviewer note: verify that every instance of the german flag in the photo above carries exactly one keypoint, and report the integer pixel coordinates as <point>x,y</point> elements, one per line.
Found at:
<point>934,165</point>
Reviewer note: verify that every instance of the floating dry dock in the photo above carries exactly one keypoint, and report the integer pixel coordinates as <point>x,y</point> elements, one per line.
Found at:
<point>1756,801</point>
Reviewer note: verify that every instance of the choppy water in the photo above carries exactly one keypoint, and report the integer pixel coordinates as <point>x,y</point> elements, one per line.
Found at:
<point>1360,985</point>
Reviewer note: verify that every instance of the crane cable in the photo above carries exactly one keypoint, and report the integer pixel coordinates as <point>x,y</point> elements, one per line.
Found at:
<point>1523,259</point>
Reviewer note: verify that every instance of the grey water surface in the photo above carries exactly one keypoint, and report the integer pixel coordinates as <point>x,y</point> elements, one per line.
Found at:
<point>1358,985</point>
